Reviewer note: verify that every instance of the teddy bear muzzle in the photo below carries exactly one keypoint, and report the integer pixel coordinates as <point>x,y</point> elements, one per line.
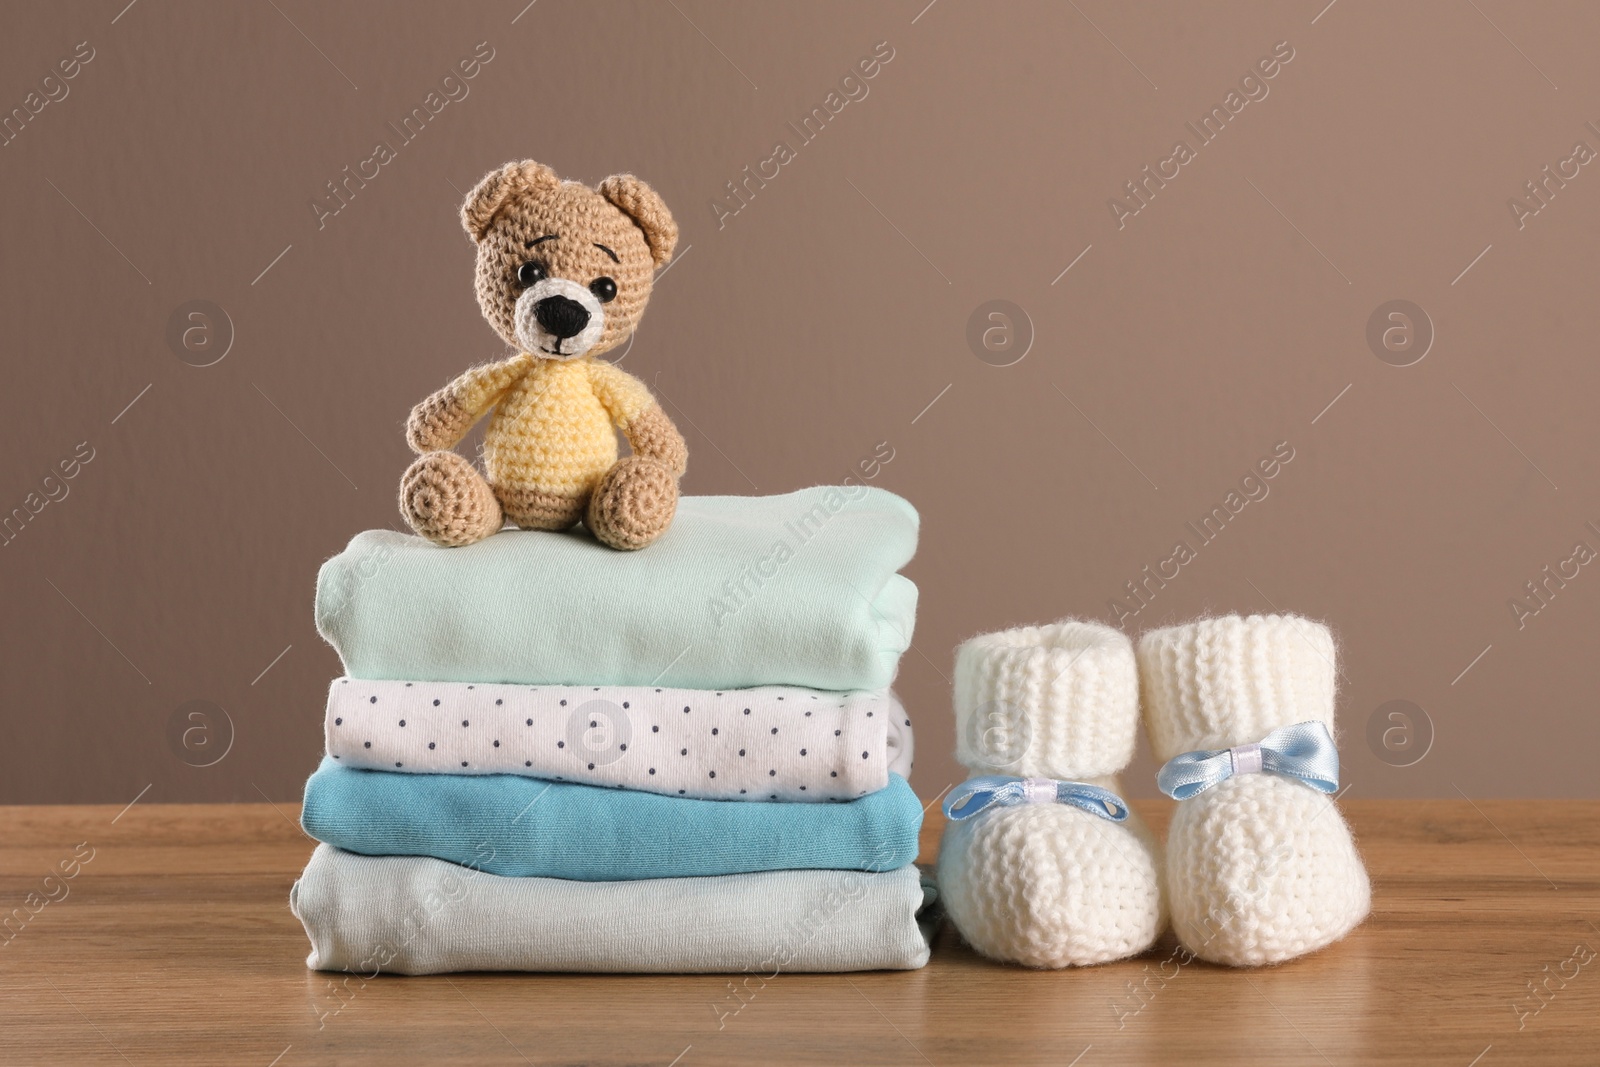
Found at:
<point>558,318</point>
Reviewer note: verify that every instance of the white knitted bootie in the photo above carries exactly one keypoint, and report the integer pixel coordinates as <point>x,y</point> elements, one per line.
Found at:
<point>1261,867</point>
<point>1046,875</point>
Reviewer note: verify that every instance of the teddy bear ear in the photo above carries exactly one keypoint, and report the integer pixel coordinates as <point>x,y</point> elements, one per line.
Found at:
<point>641,204</point>
<point>499,188</point>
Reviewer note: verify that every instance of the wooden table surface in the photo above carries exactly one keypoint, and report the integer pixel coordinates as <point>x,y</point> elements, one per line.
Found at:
<point>174,944</point>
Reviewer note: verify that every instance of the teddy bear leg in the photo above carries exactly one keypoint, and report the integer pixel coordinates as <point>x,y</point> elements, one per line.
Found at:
<point>446,500</point>
<point>633,504</point>
<point>539,509</point>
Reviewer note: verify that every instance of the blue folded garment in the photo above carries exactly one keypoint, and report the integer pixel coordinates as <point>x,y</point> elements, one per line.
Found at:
<point>799,589</point>
<point>525,827</point>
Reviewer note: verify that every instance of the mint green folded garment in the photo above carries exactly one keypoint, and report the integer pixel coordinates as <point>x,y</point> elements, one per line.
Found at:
<point>404,915</point>
<point>800,589</point>
<point>524,827</point>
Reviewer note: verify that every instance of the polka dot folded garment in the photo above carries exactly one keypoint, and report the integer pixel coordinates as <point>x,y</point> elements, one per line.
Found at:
<point>765,743</point>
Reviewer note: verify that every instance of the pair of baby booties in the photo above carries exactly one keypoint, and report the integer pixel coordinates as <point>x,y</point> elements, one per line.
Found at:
<point>1258,868</point>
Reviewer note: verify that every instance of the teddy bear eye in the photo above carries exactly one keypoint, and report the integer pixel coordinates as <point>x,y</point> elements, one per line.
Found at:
<point>531,273</point>
<point>604,289</point>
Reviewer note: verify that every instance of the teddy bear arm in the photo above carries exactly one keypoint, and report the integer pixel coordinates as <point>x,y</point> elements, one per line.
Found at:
<point>445,417</point>
<point>650,432</point>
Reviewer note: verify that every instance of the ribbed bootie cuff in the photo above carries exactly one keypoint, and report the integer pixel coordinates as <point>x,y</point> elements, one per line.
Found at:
<point>1229,681</point>
<point>1056,701</point>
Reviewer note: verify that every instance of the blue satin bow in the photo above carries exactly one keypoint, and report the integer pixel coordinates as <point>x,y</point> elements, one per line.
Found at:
<point>1305,751</point>
<point>997,790</point>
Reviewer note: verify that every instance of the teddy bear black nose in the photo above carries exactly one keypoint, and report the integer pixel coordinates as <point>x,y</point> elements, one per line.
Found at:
<point>561,317</point>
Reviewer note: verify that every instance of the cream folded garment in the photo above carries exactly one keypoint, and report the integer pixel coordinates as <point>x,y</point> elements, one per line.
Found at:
<point>412,915</point>
<point>771,742</point>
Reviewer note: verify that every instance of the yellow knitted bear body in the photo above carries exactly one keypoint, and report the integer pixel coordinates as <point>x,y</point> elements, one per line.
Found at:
<point>553,432</point>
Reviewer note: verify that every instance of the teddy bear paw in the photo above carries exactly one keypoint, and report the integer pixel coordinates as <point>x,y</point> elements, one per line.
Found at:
<point>446,500</point>
<point>633,504</point>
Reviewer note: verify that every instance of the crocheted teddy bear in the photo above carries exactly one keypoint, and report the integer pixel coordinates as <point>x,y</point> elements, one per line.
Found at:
<point>564,273</point>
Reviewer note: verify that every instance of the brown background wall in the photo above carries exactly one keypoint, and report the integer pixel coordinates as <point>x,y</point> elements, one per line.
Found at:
<point>824,318</point>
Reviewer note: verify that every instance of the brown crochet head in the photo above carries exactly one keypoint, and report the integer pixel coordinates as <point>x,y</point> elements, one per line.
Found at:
<point>565,270</point>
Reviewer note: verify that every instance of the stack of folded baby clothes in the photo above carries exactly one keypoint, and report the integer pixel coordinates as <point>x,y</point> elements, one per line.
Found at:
<point>550,756</point>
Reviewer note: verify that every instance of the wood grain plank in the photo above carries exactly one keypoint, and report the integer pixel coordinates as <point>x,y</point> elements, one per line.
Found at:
<point>174,945</point>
